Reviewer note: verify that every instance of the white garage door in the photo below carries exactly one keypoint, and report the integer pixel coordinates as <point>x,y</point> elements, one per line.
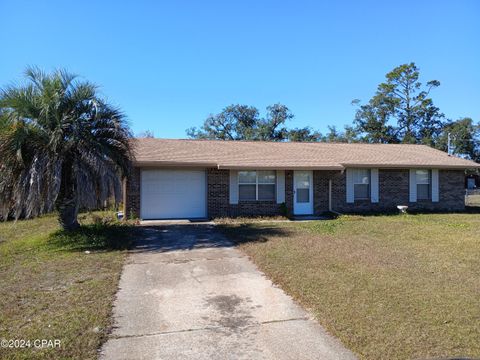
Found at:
<point>173,194</point>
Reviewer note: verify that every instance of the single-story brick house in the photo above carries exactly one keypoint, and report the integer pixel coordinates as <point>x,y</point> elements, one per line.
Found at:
<point>207,178</point>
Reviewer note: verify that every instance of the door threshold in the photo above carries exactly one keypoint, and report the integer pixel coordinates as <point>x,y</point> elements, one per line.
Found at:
<point>308,217</point>
<point>175,221</point>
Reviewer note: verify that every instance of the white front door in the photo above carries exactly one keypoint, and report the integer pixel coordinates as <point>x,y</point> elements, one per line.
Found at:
<point>470,184</point>
<point>303,192</point>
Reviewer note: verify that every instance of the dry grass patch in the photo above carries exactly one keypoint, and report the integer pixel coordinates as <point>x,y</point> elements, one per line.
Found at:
<point>390,287</point>
<point>52,289</point>
<point>243,220</point>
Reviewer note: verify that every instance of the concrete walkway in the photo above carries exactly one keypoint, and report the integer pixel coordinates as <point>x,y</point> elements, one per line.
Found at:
<point>186,293</point>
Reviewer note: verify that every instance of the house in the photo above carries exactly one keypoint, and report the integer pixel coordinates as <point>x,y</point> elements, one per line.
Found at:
<point>208,178</point>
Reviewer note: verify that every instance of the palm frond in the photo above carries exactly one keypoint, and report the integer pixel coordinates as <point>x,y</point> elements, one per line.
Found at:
<point>62,145</point>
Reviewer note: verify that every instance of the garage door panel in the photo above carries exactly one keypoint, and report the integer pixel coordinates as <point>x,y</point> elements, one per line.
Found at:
<point>168,194</point>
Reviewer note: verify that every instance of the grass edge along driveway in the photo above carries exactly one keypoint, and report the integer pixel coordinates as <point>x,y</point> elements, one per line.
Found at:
<point>61,286</point>
<point>389,287</point>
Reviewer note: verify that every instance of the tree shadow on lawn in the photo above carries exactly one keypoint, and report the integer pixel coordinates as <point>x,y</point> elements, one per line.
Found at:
<point>252,232</point>
<point>178,237</point>
<point>168,238</point>
<point>94,237</point>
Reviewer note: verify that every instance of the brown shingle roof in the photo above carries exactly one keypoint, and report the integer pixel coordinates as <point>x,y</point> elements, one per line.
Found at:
<point>290,155</point>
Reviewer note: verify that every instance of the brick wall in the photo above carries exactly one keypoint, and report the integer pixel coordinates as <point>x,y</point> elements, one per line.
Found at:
<point>218,182</point>
<point>131,195</point>
<point>393,191</point>
<point>218,199</point>
<point>452,191</point>
<point>289,191</point>
<point>320,189</point>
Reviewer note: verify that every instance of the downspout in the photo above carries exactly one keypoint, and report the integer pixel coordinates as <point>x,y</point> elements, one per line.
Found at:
<point>330,195</point>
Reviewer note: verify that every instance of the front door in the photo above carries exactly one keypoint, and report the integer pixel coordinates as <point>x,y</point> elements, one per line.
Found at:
<point>303,193</point>
<point>470,184</point>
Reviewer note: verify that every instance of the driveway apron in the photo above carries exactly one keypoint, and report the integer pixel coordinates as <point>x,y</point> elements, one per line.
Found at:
<point>187,293</point>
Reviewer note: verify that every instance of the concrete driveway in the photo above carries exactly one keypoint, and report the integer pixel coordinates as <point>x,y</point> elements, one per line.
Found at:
<point>187,293</point>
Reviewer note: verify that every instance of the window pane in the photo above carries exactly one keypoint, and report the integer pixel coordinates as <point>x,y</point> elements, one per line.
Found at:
<point>247,177</point>
<point>303,195</point>
<point>266,192</point>
<point>361,176</point>
<point>423,191</point>
<point>266,177</point>
<point>302,180</point>
<point>361,191</point>
<point>423,176</point>
<point>247,192</point>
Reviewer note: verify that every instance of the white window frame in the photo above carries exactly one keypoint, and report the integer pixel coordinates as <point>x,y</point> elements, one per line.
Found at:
<point>369,191</point>
<point>429,192</point>
<point>274,183</point>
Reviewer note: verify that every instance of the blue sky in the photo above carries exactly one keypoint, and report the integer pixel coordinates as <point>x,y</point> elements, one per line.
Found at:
<point>168,65</point>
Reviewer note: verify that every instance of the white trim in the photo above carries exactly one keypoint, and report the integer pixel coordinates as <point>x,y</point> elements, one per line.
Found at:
<point>374,193</point>
<point>280,190</point>
<point>141,211</point>
<point>434,185</point>
<point>349,185</point>
<point>413,186</point>
<point>233,187</point>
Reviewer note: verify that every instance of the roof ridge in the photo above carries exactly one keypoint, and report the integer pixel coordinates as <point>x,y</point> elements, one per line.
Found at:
<point>282,142</point>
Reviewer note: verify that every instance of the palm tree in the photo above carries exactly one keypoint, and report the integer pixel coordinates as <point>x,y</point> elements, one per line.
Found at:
<point>62,147</point>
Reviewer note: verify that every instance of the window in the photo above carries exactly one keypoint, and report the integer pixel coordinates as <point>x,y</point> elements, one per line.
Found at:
<point>256,185</point>
<point>247,185</point>
<point>302,180</point>
<point>423,184</point>
<point>266,185</point>
<point>361,184</point>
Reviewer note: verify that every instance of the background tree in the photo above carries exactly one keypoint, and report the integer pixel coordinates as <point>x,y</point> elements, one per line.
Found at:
<point>333,135</point>
<point>272,127</point>
<point>62,147</point>
<point>372,122</point>
<point>351,134</point>
<point>401,110</point>
<point>235,122</point>
<point>465,138</point>
<point>242,122</point>
<point>432,124</point>
<point>304,134</point>
<point>146,134</point>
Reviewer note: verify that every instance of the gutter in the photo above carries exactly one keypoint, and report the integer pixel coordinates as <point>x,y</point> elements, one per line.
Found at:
<point>413,166</point>
<point>340,167</point>
<point>274,167</point>
<point>172,164</point>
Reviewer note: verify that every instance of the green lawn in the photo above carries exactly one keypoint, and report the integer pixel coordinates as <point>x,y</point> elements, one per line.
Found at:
<point>51,289</point>
<point>389,287</point>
